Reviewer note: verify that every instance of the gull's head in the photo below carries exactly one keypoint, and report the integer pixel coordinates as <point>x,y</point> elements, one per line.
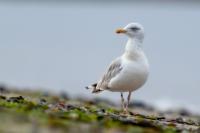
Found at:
<point>132,30</point>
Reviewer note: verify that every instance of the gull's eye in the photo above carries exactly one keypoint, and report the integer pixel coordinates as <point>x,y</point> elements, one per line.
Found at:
<point>134,28</point>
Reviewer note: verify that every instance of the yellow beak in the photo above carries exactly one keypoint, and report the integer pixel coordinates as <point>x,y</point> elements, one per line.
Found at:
<point>118,31</point>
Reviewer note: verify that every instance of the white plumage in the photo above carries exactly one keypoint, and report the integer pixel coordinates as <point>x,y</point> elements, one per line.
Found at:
<point>129,71</point>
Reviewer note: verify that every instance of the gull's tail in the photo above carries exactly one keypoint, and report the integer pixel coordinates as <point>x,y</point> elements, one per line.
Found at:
<point>93,87</point>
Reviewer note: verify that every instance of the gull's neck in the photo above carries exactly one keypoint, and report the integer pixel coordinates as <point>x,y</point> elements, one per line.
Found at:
<point>133,48</point>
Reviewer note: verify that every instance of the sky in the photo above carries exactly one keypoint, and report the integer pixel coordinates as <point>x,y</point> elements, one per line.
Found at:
<point>66,46</point>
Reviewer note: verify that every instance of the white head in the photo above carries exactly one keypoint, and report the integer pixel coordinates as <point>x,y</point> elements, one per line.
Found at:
<point>133,31</point>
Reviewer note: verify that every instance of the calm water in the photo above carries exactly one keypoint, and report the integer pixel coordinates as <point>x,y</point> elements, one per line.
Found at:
<point>66,46</point>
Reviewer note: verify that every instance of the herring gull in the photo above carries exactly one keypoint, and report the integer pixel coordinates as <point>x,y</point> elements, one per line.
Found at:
<point>128,72</point>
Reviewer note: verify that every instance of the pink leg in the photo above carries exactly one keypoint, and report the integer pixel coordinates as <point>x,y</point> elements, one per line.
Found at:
<point>122,102</point>
<point>128,100</point>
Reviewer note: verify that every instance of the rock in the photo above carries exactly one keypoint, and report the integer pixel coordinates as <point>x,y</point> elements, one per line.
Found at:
<point>16,99</point>
<point>71,107</point>
<point>198,130</point>
<point>160,118</point>
<point>190,122</point>
<point>127,121</point>
<point>132,120</point>
<point>198,122</point>
<point>42,101</point>
<point>102,110</point>
<point>114,116</point>
<point>2,97</point>
<point>179,120</point>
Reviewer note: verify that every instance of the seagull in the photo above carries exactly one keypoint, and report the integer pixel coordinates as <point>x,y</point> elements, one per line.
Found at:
<point>128,72</point>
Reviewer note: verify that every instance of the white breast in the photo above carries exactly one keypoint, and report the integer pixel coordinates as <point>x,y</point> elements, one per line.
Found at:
<point>133,75</point>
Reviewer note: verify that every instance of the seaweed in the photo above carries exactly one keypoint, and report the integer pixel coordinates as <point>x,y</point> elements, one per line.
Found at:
<point>33,111</point>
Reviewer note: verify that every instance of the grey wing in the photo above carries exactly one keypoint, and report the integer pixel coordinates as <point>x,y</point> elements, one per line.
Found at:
<point>113,70</point>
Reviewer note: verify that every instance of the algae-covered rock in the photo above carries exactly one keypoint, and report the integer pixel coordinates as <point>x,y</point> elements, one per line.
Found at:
<point>35,112</point>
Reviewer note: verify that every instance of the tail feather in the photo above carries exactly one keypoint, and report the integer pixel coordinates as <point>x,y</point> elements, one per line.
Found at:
<point>97,91</point>
<point>93,87</point>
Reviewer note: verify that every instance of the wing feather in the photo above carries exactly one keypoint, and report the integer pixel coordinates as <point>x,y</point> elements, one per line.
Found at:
<point>113,70</point>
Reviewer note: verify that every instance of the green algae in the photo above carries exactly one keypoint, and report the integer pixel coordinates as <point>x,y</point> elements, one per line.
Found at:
<point>40,113</point>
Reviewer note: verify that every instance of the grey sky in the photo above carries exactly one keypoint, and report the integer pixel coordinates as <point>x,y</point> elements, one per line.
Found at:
<point>67,46</point>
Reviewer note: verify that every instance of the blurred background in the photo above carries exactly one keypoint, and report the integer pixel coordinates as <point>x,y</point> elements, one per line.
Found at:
<point>67,45</point>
